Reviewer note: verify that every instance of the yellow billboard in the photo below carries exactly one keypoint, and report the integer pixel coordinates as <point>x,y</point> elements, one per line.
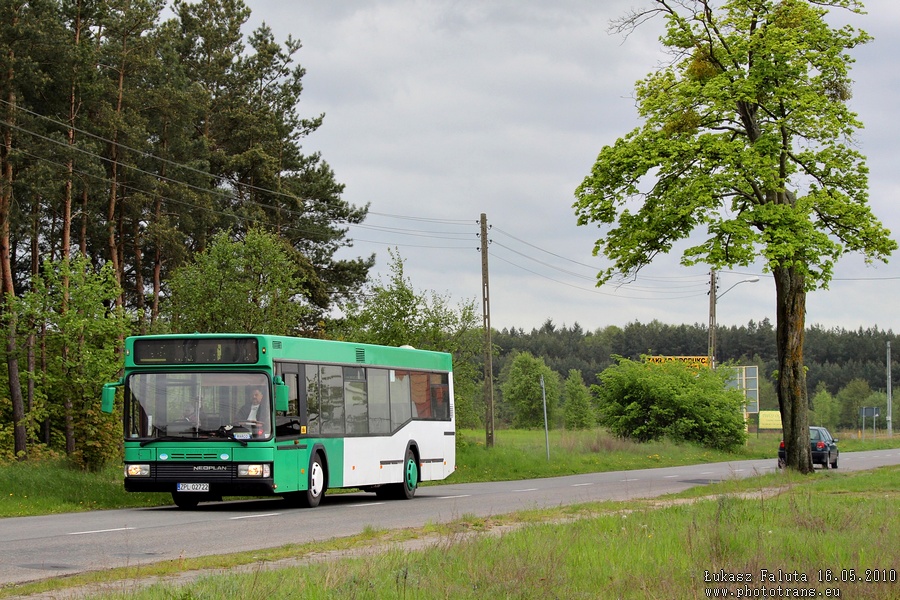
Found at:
<point>694,361</point>
<point>770,419</point>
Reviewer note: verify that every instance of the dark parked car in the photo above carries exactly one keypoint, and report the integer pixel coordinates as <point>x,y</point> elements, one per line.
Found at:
<point>823,446</point>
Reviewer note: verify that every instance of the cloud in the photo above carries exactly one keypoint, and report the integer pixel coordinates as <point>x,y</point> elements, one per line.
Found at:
<point>437,112</point>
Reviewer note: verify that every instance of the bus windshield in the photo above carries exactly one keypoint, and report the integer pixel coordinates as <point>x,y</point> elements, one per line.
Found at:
<point>198,406</point>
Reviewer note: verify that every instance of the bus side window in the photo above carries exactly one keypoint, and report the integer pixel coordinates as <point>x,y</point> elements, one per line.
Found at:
<point>313,404</point>
<point>331,399</point>
<point>400,402</point>
<point>379,401</point>
<point>440,393</point>
<point>356,402</point>
<point>420,396</point>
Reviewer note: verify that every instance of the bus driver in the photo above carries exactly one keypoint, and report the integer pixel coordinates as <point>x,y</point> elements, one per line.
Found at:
<point>256,409</point>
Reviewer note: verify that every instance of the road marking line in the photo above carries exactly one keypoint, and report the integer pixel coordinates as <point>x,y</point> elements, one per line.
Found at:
<point>100,531</point>
<point>254,516</point>
<point>452,497</point>
<point>582,484</point>
<point>528,490</point>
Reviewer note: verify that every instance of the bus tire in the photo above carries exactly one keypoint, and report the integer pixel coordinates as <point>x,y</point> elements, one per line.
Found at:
<point>407,489</point>
<point>316,485</point>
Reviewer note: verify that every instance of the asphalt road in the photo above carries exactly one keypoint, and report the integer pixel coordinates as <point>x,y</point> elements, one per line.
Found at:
<point>35,548</point>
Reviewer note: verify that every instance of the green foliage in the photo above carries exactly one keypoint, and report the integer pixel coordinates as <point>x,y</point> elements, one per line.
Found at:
<point>578,411</point>
<point>69,308</point>
<point>754,109</point>
<point>833,356</point>
<point>521,390</point>
<point>850,399</point>
<point>648,401</point>
<point>53,486</point>
<point>825,409</point>
<point>254,285</point>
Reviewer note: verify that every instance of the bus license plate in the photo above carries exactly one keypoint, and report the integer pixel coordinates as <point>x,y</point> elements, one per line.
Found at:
<point>192,487</point>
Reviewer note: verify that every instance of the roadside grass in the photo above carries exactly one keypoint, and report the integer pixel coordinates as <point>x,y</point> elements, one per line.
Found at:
<point>50,486</point>
<point>522,454</point>
<point>829,531</point>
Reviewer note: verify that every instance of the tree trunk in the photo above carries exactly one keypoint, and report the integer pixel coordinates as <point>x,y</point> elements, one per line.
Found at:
<point>6,277</point>
<point>790,293</point>
<point>113,223</point>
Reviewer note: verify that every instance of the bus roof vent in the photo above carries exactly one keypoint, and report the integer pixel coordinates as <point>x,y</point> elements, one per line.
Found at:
<point>360,355</point>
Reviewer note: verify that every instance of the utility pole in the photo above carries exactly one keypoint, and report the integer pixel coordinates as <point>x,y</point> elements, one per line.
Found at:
<point>712,318</point>
<point>890,423</point>
<point>488,346</point>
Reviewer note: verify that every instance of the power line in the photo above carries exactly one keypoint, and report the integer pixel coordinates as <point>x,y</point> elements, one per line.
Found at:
<point>219,180</point>
<point>589,290</point>
<point>394,231</point>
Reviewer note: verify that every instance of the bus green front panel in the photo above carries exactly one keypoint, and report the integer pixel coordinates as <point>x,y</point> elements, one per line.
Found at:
<point>194,452</point>
<point>289,460</point>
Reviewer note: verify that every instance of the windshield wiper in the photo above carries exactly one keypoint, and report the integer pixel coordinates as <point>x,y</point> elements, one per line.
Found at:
<point>224,432</point>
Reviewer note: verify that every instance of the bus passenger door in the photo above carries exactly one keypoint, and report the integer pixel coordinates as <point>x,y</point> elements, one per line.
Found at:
<point>290,428</point>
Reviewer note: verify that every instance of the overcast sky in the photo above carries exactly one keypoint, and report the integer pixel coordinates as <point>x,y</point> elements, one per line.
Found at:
<point>439,111</point>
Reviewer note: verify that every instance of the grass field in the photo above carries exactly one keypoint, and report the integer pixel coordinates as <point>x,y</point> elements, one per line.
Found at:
<point>834,532</point>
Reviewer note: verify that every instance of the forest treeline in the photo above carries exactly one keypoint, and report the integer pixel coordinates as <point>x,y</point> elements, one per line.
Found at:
<point>837,359</point>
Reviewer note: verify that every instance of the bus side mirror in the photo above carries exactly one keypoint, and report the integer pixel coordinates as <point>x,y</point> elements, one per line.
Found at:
<point>281,395</point>
<point>108,400</point>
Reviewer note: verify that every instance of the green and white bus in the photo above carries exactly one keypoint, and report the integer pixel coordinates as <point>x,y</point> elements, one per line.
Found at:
<point>213,415</point>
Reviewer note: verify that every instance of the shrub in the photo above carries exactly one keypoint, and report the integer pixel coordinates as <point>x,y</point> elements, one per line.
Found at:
<point>648,401</point>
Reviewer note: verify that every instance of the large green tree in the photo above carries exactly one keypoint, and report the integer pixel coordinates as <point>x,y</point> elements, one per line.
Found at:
<point>252,285</point>
<point>747,153</point>
<point>578,410</point>
<point>522,391</point>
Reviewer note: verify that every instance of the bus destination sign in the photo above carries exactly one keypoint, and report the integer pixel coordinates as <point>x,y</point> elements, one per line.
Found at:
<point>193,351</point>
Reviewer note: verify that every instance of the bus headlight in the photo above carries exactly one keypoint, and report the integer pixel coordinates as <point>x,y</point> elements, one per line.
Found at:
<point>263,470</point>
<point>137,470</point>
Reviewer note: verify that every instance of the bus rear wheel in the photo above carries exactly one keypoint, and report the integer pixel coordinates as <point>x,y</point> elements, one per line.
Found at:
<point>410,477</point>
<point>406,489</point>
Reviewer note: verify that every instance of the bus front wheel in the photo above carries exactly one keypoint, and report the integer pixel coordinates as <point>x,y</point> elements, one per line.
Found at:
<point>315,485</point>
